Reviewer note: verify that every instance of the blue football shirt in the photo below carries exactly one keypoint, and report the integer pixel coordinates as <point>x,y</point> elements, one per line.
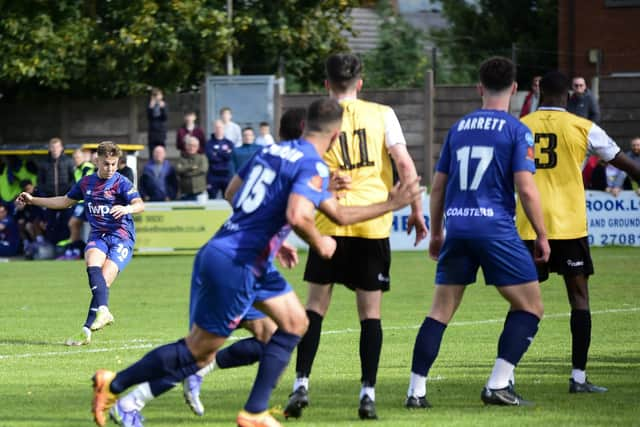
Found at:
<point>480,155</point>
<point>99,196</point>
<point>258,224</point>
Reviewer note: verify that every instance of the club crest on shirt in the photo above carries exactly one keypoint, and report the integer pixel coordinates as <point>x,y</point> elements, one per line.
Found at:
<point>315,183</point>
<point>530,154</point>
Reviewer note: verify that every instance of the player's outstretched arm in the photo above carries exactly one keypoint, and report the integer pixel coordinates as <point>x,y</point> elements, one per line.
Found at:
<point>56,203</point>
<point>624,163</point>
<point>530,198</point>
<point>436,212</point>
<point>407,172</point>
<point>401,195</point>
<point>300,215</point>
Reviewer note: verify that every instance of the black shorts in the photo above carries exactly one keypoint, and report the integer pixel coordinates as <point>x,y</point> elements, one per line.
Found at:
<point>358,263</point>
<point>568,258</point>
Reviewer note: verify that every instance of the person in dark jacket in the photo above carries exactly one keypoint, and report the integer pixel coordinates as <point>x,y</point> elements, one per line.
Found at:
<point>55,178</point>
<point>190,128</point>
<point>218,150</point>
<point>157,117</point>
<point>582,102</point>
<point>158,182</point>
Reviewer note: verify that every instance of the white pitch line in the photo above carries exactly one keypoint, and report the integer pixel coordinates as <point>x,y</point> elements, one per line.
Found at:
<point>150,343</point>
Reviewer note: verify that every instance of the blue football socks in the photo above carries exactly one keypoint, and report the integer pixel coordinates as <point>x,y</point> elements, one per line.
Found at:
<point>98,286</point>
<point>274,360</point>
<point>427,346</point>
<point>171,360</point>
<point>519,329</point>
<point>241,353</point>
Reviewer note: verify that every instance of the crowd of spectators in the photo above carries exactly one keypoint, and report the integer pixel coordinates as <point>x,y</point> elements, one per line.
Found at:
<point>202,171</point>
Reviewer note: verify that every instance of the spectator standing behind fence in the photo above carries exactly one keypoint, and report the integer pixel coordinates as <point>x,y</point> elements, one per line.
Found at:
<point>532,99</point>
<point>232,130</point>
<point>265,137</point>
<point>55,178</point>
<point>158,182</point>
<point>190,128</point>
<point>218,151</point>
<point>30,220</point>
<point>192,171</point>
<point>125,170</point>
<point>157,117</point>
<point>620,180</point>
<point>9,235</point>
<point>83,167</point>
<point>582,102</point>
<point>243,154</point>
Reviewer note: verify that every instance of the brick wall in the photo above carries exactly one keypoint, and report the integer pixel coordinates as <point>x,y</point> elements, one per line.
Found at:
<point>614,30</point>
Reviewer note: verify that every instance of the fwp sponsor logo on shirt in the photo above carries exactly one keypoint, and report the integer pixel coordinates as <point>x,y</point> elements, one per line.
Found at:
<point>98,210</point>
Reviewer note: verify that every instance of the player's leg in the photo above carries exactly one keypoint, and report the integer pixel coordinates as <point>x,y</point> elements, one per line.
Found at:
<point>578,293</point>
<point>118,256</point>
<point>456,268</point>
<point>574,263</point>
<point>446,299</point>
<point>508,265</point>
<point>320,275</point>
<point>241,353</point>
<point>289,314</point>
<point>176,360</point>
<point>369,276</point>
<point>95,258</point>
<point>216,304</point>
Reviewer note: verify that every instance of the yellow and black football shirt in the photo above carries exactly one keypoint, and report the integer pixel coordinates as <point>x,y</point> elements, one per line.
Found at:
<point>562,141</point>
<point>368,131</point>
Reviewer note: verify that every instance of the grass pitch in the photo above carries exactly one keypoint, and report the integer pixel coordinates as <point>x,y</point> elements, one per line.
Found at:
<point>43,383</point>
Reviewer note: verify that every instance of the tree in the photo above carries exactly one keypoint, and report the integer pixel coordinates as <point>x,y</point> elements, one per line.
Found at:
<point>122,47</point>
<point>489,27</point>
<point>399,59</point>
<point>293,37</point>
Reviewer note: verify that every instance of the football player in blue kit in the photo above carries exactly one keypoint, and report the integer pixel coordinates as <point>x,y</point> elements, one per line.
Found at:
<point>484,155</point>
<point>109,199</point>
<point>242,352</point>
<point>281,184</point>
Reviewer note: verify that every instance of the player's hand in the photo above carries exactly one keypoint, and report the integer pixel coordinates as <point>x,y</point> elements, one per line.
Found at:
<point>615,191</point>
<point>638,191</point>
<point>416,220</point>
<point>23,199</point>
<point>339,183</point>
<point>541,250</point>
<point>326,247</point>
<point>118,211</point>
<point>404,193</point>
<point>435,244</point>
<point>287,255</point>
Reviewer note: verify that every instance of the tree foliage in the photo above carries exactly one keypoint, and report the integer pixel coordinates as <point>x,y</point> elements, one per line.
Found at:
<point>122,47</point>
<point>399,59</point>
<point>489,27</point>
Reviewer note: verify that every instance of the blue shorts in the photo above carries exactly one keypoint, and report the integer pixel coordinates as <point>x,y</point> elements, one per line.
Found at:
<point>117,250</point>
<point>223,291</point>
<point>78,211</point>
<point>503,262</point>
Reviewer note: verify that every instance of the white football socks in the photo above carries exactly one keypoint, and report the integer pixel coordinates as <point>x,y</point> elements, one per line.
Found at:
<point>301,382</point>
<point>579,376</point>
<point>137,398</point>
<point>204,371</point>
<point>369,391</point>
<point>417,385</point>
<point>502,372</point>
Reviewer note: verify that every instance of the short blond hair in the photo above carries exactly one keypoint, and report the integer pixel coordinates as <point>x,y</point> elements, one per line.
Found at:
<point>109,149</point>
